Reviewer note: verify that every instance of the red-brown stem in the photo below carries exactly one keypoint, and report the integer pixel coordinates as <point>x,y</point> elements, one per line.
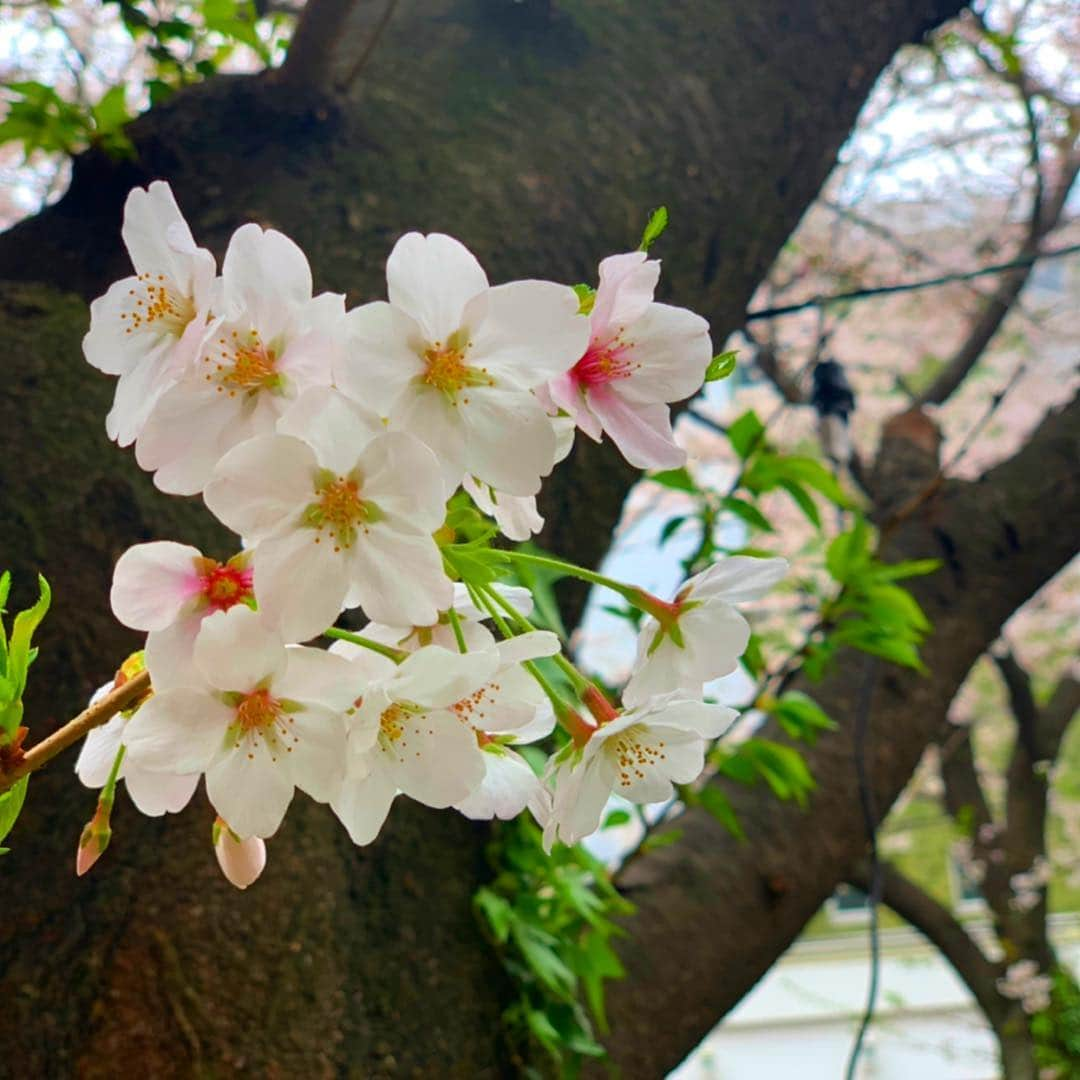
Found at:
<point>598,705</point>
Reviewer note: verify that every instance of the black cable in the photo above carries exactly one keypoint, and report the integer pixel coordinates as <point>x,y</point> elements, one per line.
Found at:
<point>877,877</point>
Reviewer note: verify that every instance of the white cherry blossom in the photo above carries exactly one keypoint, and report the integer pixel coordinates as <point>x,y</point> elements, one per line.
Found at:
<point>700,635</point>
<point>342,519</point>
<point>263,720</point>
<point>152,793</point>
<point>241,861</point>
<point>272,341</point>
<point>454,361</point>
<point>406,737</point>
<point>509,785</point>
<point>640,356</point>
<point>148,328</point>
<point>639,755</point>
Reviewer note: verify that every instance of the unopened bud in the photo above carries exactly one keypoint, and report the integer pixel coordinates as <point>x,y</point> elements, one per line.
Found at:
<point>241,861</point>
<point>94,840</point>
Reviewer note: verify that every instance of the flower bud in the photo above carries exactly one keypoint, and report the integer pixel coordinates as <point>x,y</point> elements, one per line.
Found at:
<point>94,840</point>
<point>241,861</point>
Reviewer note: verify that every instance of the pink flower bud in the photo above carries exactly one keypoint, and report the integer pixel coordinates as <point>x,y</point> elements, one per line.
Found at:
<point>241,861</point>
<point>92,843</point>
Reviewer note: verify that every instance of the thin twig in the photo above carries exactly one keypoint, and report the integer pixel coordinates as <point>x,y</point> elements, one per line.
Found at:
<point>927,283</point>
<point>369,48</point>
<point>92,717</point>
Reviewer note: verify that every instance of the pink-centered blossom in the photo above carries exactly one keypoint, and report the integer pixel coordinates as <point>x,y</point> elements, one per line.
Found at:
<point>640,356</point>
<point>260,721</point>
<point>168,589</point>
<point>149,328</point>
<point>454,361</point>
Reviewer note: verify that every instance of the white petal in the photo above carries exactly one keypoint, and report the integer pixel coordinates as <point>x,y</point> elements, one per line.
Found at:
<point>363,805</point>
<point>641,432</point>
<point>530,646</point>
<point>437,678</point>
<point>236,650</point>
<point>266,278</point>
<point>184,437</point>
<point>99,751</point>
<point>300,584</point>
<point>531,333</point>
<point>170,655</point>
<point>625,290</point>
<point>262,484</point>
<point>738,578</point>
<point>159,240</point>
<point>319,676</point>
<point>155,793</point>
<point>177,731</point>
<point>249,789</point>
<point>508,786</point>
<point>436,760</point>
<point>580,797</point>
<point>241,861</point>
<point>670,348</point>
<point>432,278</point>
<point>336,428</point>
<point>510,443</point>
<point>400,574</point>
<point>154,583</point>
<point>383,350</point>
<point>317,758</point>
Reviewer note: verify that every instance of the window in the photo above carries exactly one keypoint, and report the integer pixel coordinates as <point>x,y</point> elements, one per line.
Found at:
<point>848,905</point>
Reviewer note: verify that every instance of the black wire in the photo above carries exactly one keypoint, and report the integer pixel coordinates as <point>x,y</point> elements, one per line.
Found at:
<point>877,877</point>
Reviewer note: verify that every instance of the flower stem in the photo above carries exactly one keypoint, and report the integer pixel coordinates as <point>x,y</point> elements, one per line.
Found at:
<point>577,680</point>
<point>459,636</point>
<point>108,792</point>
<point>590,576</point>
<point>397,655</point>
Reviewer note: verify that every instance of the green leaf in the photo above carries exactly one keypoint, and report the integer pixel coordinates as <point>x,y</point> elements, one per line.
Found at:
<point>538,950</point>
<point>19,656</point>
<point>718,804</point>
<point>497,911</point>
<point>586,295</point>
<point>661,839</point>
<point>670,528</point>
<point>748,512</point>
<point>11,803</point>
<point>616,817</point>
<point>801,717</point>
<point>803,501</point>
<point>678,479</point>
<point>848,554</point>
<point>658,221</point>
<point>111,111</point>
<point>601,963</point>
<point>721,366</point>
<point>746,434</point>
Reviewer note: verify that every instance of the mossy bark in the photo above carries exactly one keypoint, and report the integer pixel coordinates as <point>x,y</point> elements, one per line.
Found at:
<point>539,133</point>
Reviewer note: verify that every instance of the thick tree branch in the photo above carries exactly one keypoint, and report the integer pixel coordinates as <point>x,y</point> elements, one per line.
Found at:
<point>945,932</point>
<point>319,35</point>
<point>713,913</point>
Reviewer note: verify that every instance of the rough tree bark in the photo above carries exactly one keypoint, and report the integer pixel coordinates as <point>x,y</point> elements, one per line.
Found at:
<point>541,133</point>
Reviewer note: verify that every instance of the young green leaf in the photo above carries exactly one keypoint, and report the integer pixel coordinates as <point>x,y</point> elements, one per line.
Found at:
<point>721,366</point>
<point>658,221</point>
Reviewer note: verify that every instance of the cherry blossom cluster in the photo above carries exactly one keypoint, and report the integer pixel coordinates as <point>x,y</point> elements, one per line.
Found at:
<point>330,441</point>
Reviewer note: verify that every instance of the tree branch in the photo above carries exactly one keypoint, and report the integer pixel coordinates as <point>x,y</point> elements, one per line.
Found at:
<point>318,36</point>
<point>945,932</point>
<point>714,913</point>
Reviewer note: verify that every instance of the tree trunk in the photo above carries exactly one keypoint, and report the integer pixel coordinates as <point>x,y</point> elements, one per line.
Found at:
<point>1017,1050</point>
<point>540,134</point>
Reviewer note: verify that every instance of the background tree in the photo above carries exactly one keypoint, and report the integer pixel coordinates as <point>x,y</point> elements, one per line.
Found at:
<point>372,125</point>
